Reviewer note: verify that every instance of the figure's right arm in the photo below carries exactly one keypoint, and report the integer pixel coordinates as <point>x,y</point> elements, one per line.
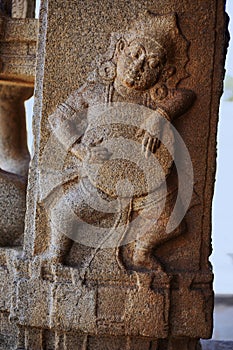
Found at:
<point>69,122</point>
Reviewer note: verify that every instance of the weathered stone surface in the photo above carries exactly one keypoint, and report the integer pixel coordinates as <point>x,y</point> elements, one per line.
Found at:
<point>17,70</point>
<point>9,332</point>
<point>18,40</point>
<point>14,154</point>
<point>189,293</point>
<point>23,8</point>
<point>13,206</point>
<point>14,162</point>
<point>128,282</point>
<point>59,82</point>
<point>18,8</point>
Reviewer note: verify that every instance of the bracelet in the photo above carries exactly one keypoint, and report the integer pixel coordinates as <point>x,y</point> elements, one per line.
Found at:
<point>163,113</point>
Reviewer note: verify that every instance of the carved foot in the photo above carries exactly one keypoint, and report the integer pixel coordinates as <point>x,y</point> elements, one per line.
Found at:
<point>145,261</point>
<point>45,265</point>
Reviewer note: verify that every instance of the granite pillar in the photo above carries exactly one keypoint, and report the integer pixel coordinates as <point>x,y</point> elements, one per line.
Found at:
<point>118,224</point>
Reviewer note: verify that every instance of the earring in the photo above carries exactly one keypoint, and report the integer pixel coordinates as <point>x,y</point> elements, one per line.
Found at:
<point>107,71</point>
<point>159,92</point>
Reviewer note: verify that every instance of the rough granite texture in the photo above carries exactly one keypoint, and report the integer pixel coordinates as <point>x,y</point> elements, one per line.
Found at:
<point>152,296</point>
<point>74,60</point>
<point>18,39</point>
<point>18,45</point>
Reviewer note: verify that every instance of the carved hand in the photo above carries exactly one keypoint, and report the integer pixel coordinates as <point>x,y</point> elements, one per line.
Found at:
<point>98,154</point>
<point>149,144</point>
<point>151,139</point>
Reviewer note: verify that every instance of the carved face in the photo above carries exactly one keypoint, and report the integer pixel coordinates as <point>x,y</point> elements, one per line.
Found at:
<point>138,66</point>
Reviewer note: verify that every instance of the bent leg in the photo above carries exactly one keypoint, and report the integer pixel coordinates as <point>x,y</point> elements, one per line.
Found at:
<point>155,235</point>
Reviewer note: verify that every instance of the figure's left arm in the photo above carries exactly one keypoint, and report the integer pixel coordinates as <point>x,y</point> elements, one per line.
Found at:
<point>177,102</point>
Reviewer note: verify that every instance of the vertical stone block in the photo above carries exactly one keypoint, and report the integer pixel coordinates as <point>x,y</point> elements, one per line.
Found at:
<point>121,183</point>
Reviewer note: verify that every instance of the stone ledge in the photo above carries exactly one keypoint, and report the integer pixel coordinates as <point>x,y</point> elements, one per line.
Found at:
<point>217,345</point>
<point>18,42</point>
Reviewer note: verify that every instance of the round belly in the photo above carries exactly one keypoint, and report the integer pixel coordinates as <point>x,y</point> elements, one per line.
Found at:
<point>128,172</point>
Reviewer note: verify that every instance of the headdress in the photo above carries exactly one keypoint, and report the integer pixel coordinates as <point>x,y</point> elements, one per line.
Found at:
<point>157,30</point>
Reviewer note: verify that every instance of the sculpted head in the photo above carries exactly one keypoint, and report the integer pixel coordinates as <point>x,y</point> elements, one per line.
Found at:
<point>139,63</point>
<point>151,54</point>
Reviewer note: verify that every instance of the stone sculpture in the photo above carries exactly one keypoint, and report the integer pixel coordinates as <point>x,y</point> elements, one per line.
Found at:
<point>137,72</point>
<point>116,245</point>
<point>18,44</point>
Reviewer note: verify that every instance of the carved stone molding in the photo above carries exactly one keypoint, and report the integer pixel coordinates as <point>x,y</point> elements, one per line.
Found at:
<point>18,42</point>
